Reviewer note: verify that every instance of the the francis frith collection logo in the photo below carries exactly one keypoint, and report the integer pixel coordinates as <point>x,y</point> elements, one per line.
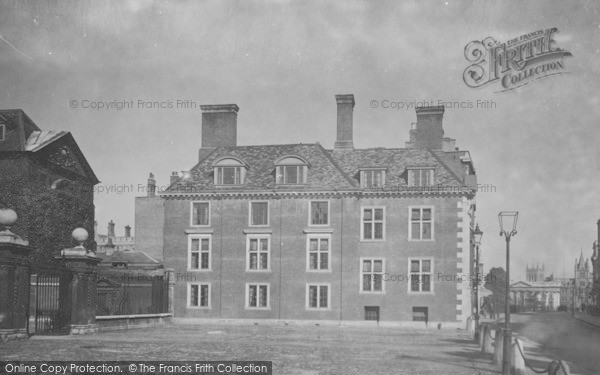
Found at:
<point>516,62</point>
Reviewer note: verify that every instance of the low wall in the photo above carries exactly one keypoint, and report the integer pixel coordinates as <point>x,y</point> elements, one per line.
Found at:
<point>343,323</point>
<point>117,322</point>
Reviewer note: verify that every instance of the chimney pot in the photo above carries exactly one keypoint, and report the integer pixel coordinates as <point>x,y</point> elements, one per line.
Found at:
<point>111,229</point>
<point>127,231</point>
<point>429,132</point>
<point>151,186</point>
<point>345,114</point>
<point>174,177</point>
<point>219,125</point>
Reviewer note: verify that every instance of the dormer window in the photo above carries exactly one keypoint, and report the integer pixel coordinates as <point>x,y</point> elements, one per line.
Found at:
<point>229,171</point>
<point>372,177</point>
<point>291,170</point>
<point>420,176</point>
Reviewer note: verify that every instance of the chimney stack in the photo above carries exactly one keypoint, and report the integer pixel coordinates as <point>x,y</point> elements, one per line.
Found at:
<point>219,125</point>
<point>151,186</point>
<point>174,177</point>
<point>111,229</point>
<point>345,111</point>
<point>127,231</point>
<point>429,132</point>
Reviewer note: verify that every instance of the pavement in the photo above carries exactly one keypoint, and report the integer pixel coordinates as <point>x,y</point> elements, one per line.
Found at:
<point>295,350</point>
<point>590,319</point>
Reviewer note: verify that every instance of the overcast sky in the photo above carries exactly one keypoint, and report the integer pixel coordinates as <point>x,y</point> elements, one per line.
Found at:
<point>282,62</point>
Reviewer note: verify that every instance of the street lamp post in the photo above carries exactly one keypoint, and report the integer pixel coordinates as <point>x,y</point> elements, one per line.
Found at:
<point>477,235</point>
<point>508,219</point>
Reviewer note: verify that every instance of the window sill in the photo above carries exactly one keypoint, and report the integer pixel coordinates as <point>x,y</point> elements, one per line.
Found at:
<point>199,270</point>
<point>420,293</point>
<point>318,229</point>
<point>318,271</point>
<point>199,230</point>
<point>317,308</point>
<point>257,230</point>
<point>367,292</point>
<point>411,240</point>
<point>258,308</point>
<point>199,307</point>
<point>369,240</point>
<point>258,271</point>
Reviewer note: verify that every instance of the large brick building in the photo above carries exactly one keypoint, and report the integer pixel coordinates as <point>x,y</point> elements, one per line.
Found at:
<point>46,179</point>
<point>297,232</point>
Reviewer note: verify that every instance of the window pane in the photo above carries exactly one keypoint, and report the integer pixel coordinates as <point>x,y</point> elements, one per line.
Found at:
<point>378,214</point>
<point>193,295</point>
<point>368,231</point>
<point>205,243</point>
<point>252,298</point>
<point>415,214</point>
<point>378,231</point>
<point>253,244</point>
<point>426,231</point>
<point>319,213</point>
<point>367,283</point>
<point>366,266</point>
<point>200,214</point>
<point>313,261</point>
<point>264,244</point>
<point>426,265</point>
<point>414,266</point>
<point>263,296</point>
<point>195,244</point>
<point>324,244</point>
<point>204,264</point>
<point>427,214</point>
<point>426,283</point>
<point>414,283</point>
<point>291,175</point>
<point>324,261</point>
<point>264,261</point>
<point>313,244</point>
<point>204,295</point>
<point>368,214</point>
<point>323,296</point>
<point>253,261</point>
<point>229,175</point>
<point>377,283</point>
<point>312,296</point>
<point>259,213</point>
<point>414,231</point>
<point>377,265</point>
<point>195,260</point>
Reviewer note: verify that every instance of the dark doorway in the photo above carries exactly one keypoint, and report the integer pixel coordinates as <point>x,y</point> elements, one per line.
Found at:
<point>372,313</point>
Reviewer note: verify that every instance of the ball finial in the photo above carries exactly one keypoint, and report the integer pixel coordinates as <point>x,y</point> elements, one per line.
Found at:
<point>80,235</point>
<point>7,217</point>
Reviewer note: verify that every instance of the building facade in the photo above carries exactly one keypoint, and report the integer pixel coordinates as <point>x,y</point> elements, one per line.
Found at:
<point>297,232</point>
<point>46,180</point>
<point>110,242</point>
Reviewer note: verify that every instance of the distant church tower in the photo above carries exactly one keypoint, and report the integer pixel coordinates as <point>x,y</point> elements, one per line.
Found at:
<point>536,273</point>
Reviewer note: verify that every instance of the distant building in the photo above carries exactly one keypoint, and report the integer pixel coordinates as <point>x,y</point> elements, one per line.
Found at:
<point>109,242</point>
<point>300,232</point>
<point>536,273</point>
<point>577,292</point>
<point>535,295</point>
<point>46,180</point>
<point>119,251</point>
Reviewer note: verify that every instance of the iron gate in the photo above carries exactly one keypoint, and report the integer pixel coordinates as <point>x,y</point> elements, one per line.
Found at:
<point>50,300</point>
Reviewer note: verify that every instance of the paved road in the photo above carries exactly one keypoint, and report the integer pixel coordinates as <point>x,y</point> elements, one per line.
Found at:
<point>564,337</point>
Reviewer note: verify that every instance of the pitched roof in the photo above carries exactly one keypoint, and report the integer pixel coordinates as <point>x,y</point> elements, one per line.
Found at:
<point>328,169</point>
<point>129,257</point>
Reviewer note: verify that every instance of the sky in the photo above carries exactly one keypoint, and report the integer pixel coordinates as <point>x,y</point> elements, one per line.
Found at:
<point>282,63</point>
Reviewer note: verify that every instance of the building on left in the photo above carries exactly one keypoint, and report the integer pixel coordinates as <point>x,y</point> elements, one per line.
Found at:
<point>47,180</point>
